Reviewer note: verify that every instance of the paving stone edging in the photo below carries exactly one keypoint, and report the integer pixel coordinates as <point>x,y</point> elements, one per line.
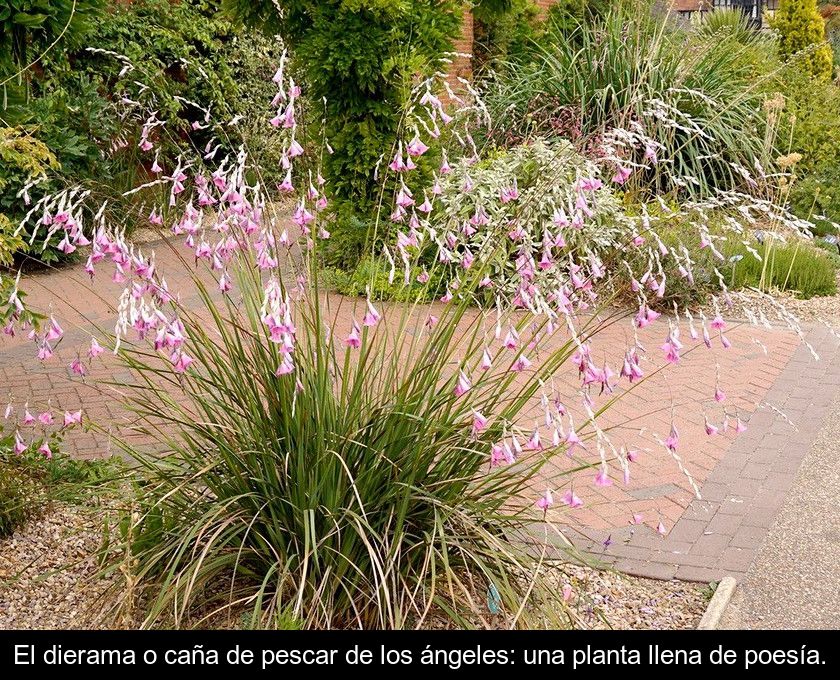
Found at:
<point>721,534</point>
<point>718,604</point>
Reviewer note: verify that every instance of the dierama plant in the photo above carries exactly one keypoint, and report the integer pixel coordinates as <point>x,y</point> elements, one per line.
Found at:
<point>361,464</point>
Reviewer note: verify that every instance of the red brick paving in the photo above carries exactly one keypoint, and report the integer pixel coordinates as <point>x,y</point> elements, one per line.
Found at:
<point>742,478</point>
<point>721,532</point>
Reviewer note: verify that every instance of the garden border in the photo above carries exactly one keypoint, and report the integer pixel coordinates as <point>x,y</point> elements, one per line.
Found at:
<point>718,604</point>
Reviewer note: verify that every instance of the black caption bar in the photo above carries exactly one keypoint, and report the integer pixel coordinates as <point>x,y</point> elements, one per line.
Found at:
<point>441,651</point>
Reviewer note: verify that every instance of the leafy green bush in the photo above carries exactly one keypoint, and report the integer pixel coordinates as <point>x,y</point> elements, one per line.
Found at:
<point>20,493</point>
<point>28,30</point>
<point>546,176</point>
<point>816,196</point>
<point>830,11</point>
<point>371,276</point>
<point>810,126</point>
<point>185,52</point>
<point>502,32</point>
<point>29,482</point>
<point>22,490</point>
<point>749,258</point>
<point>178,50</point>
<point>801,32</point>
<point>10,244</point>
<point>32,34</point>
<point>361,60</point>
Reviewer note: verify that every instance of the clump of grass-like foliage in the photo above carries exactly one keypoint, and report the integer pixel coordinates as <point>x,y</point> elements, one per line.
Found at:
<point>697,97</point>
<point>354,492</point>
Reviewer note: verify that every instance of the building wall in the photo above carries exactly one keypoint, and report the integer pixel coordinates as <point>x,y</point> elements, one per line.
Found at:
<point>462,65</point>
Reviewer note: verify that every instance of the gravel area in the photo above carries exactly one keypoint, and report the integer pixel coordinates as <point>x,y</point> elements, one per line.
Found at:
<point>820,309</point>
<point>47,572</point>
<point>782,308</point>
<point>47,580</point>
<point>604,599</point>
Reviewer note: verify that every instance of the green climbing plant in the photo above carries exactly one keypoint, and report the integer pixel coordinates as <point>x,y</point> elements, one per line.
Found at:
<point>360,59</point>
<point>28,29</point>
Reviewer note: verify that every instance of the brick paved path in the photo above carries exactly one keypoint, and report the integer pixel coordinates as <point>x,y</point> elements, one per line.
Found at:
<point>782,395</point>
<point>744,489</point>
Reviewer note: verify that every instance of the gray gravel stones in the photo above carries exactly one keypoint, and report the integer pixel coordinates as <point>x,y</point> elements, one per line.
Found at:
<point>47,572</point>
<point>604,599</point>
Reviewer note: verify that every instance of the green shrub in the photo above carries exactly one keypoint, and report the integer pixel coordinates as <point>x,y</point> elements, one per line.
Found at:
<point>178,50</point>
<point>10,244</point>
<point>29,482</point>
<point>816,196</point>
<point>20,495</point>
<point>751,259</point>
<point>22,489</point>
<point>371,276</point>
<point>810,126</point>
<point>545,175</point>
<point>801,32</point>
<point>28,30</point>
<point>361,60</point>
<point>831,13</point>
<point>679,234</point>
<point>503,32</point>
<point>349,242</point>
<point>185,52</point>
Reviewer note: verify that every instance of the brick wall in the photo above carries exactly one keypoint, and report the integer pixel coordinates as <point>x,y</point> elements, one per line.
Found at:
<point>543,6</point>
<point>462,66</point>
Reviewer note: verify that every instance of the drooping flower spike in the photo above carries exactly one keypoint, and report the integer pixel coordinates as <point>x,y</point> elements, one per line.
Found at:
<point>354,339</point>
